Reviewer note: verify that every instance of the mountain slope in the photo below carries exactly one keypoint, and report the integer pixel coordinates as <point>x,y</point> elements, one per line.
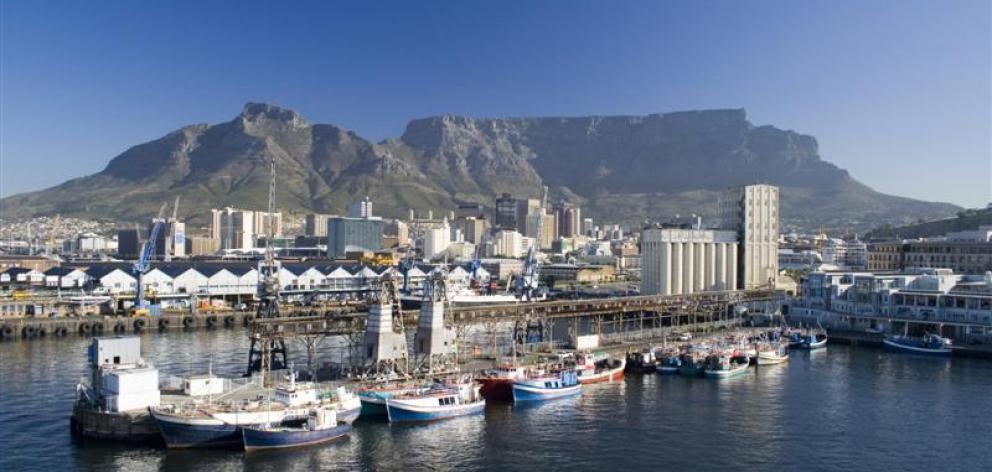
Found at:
<point>621,168</point>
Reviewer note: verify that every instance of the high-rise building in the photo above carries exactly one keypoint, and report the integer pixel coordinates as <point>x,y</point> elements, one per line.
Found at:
<point>470,210</point>
<point>506,212</point>
<point>508,243</point>
<point>474,229</point>
<point>587,227</point>
<point>346,235</point>
<point>681,261</point>
<point>543,228</point>
<point>752,211</point>
<point>569,219</point>
<point>525,208</point>
<point>436,240</point>
<point>315,224</point>
<point>128,243</point>
<point>240,229</point>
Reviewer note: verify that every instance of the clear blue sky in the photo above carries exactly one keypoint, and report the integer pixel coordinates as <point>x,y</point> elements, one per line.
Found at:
<point>897,92</point>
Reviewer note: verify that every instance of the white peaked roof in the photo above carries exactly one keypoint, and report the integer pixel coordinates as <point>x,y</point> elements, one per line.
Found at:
<point>339,272</point>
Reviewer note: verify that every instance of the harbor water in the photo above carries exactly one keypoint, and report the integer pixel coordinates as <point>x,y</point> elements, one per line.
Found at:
<point>842,408</point>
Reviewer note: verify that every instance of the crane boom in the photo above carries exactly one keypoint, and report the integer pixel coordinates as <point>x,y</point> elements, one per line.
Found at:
<point>142,265</point>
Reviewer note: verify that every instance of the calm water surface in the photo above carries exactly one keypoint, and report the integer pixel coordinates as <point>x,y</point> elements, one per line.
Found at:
<point>840,409</point>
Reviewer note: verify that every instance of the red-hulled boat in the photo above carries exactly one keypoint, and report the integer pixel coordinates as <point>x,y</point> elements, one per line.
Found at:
<point>595,369</point>
<point>497,384</point>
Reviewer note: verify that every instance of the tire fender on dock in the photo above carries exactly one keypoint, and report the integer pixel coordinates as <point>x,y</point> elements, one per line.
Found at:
<point>249,319</point>
<point>188,322</point>
<point>119,327</point>
<point>6,331</point>
<point>228,321</point>
<point>163,323</point>
<point>97,328</point>
<point>139,324</point>
<point>29,331</point>
<point>85,328</point>
<point>60,331</point>
<point>42,331</point>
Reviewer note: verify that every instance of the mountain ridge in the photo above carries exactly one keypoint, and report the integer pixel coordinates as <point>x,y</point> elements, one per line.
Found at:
<point>621,168</point>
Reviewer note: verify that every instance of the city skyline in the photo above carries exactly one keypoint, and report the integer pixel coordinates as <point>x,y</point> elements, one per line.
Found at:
<point>906,89</point>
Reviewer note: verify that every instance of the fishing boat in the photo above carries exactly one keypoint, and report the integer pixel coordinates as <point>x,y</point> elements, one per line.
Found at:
<point>438,403</point>
<point>814,341</point>
<point>213,425</point>
<point>693,364</point>
<point>346,405</point>
<point>596,368</point>
<point>724,365</point>
<point>642,362</point>
<point>322,425</point>
<point>929,344</point>
<point>795,338</point>
<point>547,387</point>
<point>497,384</point>
<point>772,354</point>
<point>373,398</point>
<point>669,362</point>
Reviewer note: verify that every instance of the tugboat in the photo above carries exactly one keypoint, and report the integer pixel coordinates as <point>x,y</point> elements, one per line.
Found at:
<point>596,369</point>
<point>772,354</point>
<point>547,387</point>
<point>322,425</point>
<point>929,344</point>
<point>438,403</point>
<point>497,384</point>
<point>723,366</point>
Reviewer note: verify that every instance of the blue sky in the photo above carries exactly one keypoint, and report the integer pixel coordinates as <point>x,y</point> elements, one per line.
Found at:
<point>896,92</point>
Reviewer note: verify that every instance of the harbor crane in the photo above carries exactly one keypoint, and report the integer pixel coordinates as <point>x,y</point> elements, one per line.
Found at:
<point>266,355</point>
<point>527,282</point>
<point>173,220</point>
<point>142,266</point>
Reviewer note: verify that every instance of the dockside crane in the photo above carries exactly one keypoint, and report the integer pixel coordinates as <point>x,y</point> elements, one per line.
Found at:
<point>268,353</point>
<point>142,266</point>
<point>175,213</point>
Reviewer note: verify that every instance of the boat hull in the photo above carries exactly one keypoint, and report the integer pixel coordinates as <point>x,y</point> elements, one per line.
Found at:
<point>725,374</point>
<point>350,415</point>
<point>401,413</point>
<point>611,375</point>
<point>190,433</point>
<point>257,439</point>
<point>668,370</point>
<point>527,393</point>
<point>770,359</point>
<point>373,407</point>
<point>496,389</point>
<point>898,347</point>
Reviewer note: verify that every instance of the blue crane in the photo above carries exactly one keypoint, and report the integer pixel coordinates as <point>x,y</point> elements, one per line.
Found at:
<point>142,266</point>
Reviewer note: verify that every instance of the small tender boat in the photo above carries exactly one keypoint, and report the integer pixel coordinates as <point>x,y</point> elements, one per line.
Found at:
<point>547,387</point>
<point>693,364</point>
<point>795,338</point>
<point>814,341</point>
<point>497,384</point>
<point>772,354</point>
<point>594,369</point>
<point>722,366</point>
<point>929,344</point>
<point>322,425</point>
<point>438,403</point>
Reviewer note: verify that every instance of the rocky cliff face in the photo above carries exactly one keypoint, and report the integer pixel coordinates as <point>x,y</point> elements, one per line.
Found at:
<point>621,168</point>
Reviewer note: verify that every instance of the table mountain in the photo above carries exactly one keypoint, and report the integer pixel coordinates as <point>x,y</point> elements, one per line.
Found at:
<point>620,168</point>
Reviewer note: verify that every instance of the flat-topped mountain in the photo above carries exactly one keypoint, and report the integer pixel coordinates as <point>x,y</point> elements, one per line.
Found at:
<point>619,168</point>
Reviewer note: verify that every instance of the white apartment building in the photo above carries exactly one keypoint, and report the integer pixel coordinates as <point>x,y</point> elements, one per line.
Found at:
<point>682,261</point>
<point>436,240</point>
<point>753,211</point>
<point>508,244</point>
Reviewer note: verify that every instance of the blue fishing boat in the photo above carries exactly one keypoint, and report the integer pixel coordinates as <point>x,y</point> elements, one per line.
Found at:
<point>322,425</point>
<point>929,344</point>
<point>547,387</point>
<point>795,339</point>
<point>437,403</point>
<point>669,362</point>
